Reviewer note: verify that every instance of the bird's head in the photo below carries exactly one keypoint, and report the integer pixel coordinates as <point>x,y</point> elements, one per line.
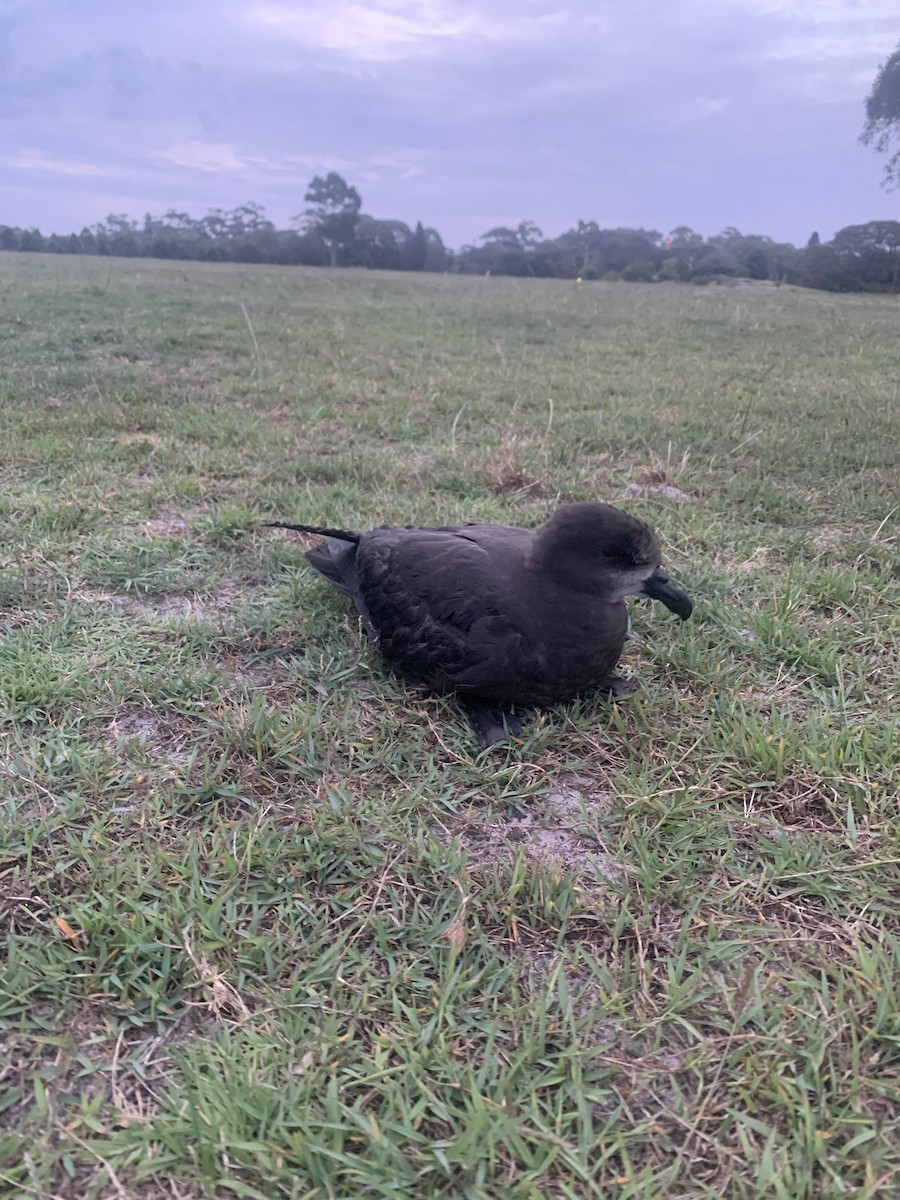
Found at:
<point>601,549</point>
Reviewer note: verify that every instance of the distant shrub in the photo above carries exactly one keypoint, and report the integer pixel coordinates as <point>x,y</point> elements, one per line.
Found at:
<point>639,272</point>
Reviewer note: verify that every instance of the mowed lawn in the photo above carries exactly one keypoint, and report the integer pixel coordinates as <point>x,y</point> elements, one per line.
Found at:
<point>274,925</point>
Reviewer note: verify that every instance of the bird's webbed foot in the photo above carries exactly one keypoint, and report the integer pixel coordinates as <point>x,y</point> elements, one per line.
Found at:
<point>490,721</point>
<point>616,685</point>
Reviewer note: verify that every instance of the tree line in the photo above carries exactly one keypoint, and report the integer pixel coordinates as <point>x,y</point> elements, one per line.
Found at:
<point>245,234</point>
<point>859,257</point>
<point>334,231</point>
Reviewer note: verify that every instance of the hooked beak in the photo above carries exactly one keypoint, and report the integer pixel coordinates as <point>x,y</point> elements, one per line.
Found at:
<point>659,588</point>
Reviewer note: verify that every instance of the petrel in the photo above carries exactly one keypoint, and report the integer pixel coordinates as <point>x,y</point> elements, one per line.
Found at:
<point>498,615</point>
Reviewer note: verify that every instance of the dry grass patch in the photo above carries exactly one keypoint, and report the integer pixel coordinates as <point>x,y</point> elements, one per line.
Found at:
<point>548,835</point>
<point>804,800</point>
<point>507,475</point>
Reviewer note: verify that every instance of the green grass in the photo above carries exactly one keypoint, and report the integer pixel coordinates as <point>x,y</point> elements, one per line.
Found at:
<point>275,927</point>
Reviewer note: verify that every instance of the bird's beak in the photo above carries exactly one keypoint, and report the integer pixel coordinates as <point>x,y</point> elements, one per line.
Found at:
<point>659,588</point>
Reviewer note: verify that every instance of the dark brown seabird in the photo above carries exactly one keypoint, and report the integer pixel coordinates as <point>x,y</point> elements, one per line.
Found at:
<point>496,614</point>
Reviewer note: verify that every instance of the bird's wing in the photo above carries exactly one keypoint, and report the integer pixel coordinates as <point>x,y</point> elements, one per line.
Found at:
<point>443,602</point>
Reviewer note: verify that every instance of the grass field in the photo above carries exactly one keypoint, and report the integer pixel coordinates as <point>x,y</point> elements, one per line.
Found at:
<point>275,927</point>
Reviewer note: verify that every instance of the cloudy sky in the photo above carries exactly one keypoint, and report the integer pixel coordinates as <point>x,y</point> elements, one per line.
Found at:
<point>462,113</point>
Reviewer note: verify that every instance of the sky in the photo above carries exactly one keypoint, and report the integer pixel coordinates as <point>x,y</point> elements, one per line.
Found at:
<point>463,114</point>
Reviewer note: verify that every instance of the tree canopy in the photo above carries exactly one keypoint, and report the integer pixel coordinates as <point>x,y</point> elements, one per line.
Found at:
<point>333,213</point>
<point>882,127</point>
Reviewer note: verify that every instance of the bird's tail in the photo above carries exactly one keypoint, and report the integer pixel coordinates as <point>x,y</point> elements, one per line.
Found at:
<point>343,535</point>
<point>334,559</point>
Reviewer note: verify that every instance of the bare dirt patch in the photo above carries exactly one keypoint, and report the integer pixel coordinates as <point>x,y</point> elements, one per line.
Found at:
<point>778,697</point>
<point>192,606</point>
<point>160,737</point>
<point>183,606</point>
<point>549,836</point>
<point>825,536</point>
<point>169,524</point>
<point>259,674</point>
<point>102,596</point>
<point>667,491</point>
<point>758,560</point>
<point>653,482</point>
